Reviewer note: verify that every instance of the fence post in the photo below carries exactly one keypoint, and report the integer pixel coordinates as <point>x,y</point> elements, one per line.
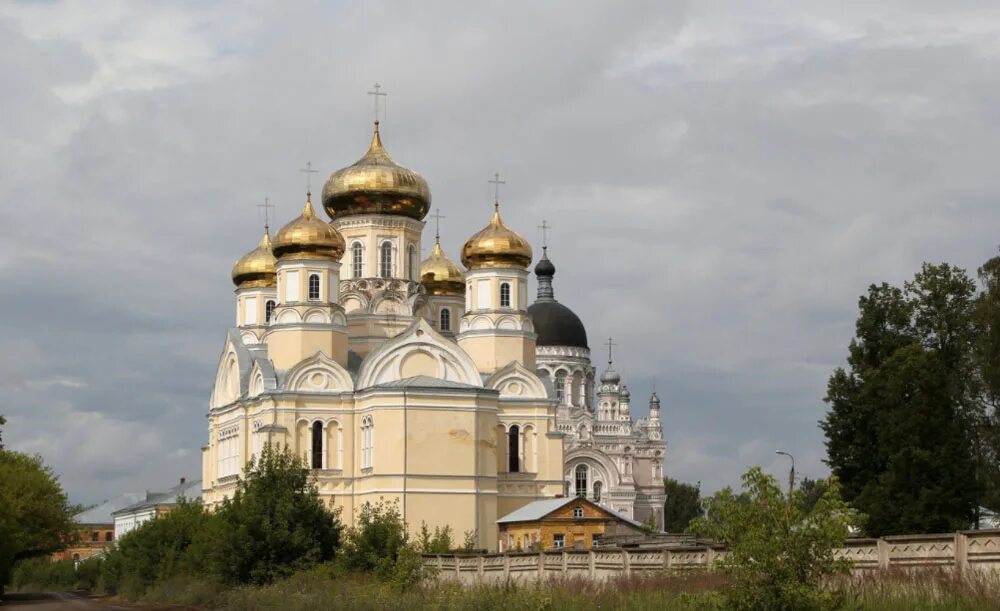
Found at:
<point>592,563</point>
<point>541,565</point>
<point>709,558</point>
<point>883,553</point>
<point>625,562</point>
<point>482,566</point>
<point>961,553</point>
<point>565,564</point>
<point>506,567</point>
<point>440,564</point>
<point>668,560</point>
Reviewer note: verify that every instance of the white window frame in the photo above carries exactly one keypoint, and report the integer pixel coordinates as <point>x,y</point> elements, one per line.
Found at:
<point>559,540</point>
<point>357,260</point>
<point>319,286</point>
<point>367,441</point>
<point>382,263</point>
<point>442,315</point>
<point>503,285</point>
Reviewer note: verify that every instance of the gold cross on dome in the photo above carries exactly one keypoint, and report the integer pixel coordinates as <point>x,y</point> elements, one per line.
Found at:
<point>377,94</point>
<point>437,216</point>
<point>309,170</point>
<point>545,227</point>
<point>496,182</point>
<point>266,205</point>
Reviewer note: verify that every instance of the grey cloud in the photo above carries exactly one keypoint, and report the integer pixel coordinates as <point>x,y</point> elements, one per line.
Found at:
<point>724,183</point>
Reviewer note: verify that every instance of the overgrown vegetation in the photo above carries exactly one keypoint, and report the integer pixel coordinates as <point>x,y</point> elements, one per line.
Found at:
<point>683,504</point>
<point>778,554</point>
<point>35,516</point>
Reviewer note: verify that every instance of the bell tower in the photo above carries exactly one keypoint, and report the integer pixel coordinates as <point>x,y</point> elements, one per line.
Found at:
<point>496,327</point>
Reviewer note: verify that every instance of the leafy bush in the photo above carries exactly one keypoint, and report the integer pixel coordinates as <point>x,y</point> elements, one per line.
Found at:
<point>437,543</point>
<point>377,540</point>
<point>778,554</point>
<point>154,551</point>
<point>274,525</point>
<point>41,574</point>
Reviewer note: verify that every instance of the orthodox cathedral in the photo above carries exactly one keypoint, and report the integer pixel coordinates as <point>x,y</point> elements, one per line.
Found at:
<point>416,382</point>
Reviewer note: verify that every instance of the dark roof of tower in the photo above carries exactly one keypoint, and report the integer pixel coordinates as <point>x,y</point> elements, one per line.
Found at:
<point>557,325</point>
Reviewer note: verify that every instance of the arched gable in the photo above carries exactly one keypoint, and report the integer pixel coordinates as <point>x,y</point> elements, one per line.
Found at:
<point>318,373</point>
<point>602,468</point>
<point>233,373</point>
<point>420,350</point>
<point>515,381</point>
<point>262,377</point>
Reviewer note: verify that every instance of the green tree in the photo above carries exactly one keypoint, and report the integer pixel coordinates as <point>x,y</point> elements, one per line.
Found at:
<point>376,541</point>
<point>683,504</point>
<point>35,517</point>
<point>274,525</point>
<point>900,426</point>
<point>157,550</point>
<point>778,555</point>
<point>3,421</point>
<point>810,492</point>
<point>987,361</point>
<point>438,542</point>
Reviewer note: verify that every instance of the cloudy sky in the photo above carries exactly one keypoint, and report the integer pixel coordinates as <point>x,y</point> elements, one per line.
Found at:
<point>724,181</point>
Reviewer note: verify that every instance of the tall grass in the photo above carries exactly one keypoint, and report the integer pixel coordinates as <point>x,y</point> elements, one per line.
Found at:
<point>942,590</point>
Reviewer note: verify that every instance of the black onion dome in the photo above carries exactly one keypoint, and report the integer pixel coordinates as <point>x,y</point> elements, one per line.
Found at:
<point>544,267</point>
<point>557,325</point>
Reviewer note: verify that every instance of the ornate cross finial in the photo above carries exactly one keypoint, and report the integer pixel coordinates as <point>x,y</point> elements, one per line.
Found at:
<point>377,94</point>
<point>437,216</point>
<point>308,170</point>
<point>610,343</point>
<point>496,182</point>
<point>545,234</point>
<point>267,204</point>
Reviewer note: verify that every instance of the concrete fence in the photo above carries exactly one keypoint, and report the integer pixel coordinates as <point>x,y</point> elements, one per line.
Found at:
<point>963,551</point>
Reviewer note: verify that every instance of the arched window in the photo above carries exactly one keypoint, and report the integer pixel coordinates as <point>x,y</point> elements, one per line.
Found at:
<point>367,441</point>
<point>317,445</point>
<point>385,260</point>
<point>561,386</point>
<point>411,255</point>
<point>581,480</point>
<point>445,319</point>
<point>505,294</point>
<point>513,447</point>
<point>313,287</point>
<point>268,310</point>
<point>357,259</point>
<point>597,491</point>
<point>109,536</point>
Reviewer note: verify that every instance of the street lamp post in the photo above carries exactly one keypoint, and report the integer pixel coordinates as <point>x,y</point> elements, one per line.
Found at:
<point>791,472</point>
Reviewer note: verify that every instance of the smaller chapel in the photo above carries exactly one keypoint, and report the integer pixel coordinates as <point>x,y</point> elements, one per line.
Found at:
<point>423,383</point>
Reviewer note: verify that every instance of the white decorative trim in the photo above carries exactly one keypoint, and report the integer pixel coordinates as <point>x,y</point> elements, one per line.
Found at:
<point>514,380</point>
<point>385,362</point>
<point>319,373</point>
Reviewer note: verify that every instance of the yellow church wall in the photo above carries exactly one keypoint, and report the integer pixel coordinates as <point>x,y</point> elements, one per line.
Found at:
<point>287,346</point>
<point>491,352</point>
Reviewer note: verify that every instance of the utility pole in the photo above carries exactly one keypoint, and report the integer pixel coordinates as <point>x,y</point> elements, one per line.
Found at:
<point>791,472</point>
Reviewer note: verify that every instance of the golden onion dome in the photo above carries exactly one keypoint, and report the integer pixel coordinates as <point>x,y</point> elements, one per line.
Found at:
<point>376,184</point>
<point>256,268</point>
<point>496,245</point>
<point>308,237</point>
<point>439,275</point>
